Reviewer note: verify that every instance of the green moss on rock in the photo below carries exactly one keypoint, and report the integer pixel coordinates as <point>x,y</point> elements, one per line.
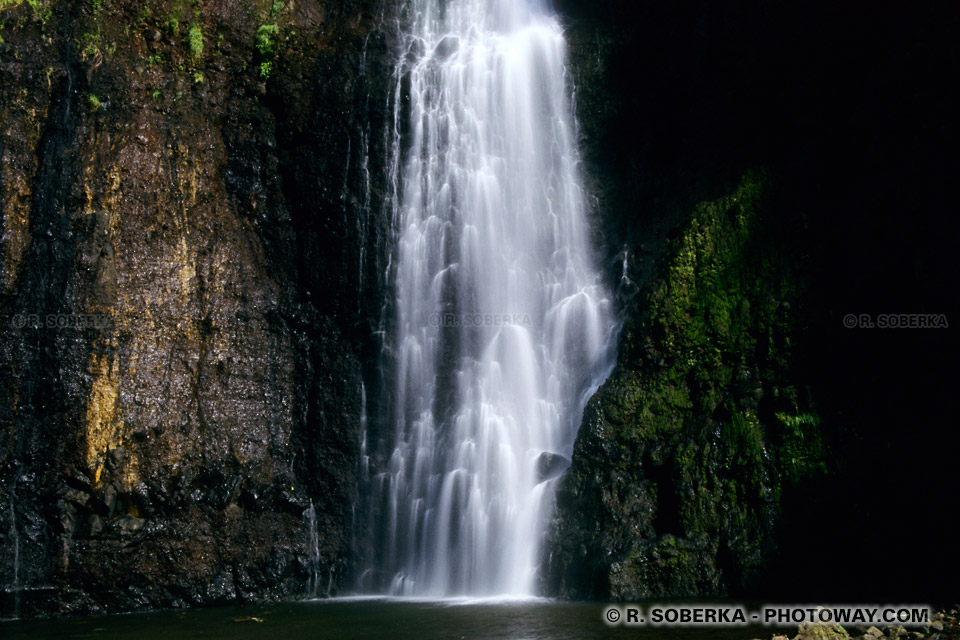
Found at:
<point>700,424</point>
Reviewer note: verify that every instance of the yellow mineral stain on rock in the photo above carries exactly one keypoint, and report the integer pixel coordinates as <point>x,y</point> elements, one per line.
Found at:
<point>15,198</point>
<point>103,426</point>
<point>186,270</point>
<point>16,240</point>
<point>87,191</point>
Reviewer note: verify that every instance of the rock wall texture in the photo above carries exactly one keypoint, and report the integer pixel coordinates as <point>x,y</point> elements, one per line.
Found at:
<point>189,181</point>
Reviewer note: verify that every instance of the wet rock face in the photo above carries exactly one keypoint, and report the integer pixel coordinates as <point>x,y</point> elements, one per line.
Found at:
<point>685,451</point>
<point>192,260</point>
<point>550,465</point>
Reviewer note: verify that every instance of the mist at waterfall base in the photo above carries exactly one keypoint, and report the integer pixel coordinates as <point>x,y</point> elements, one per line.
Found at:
<point>500,326</point>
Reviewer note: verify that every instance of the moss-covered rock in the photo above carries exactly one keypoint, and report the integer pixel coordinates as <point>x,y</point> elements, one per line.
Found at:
<point>684,451</point>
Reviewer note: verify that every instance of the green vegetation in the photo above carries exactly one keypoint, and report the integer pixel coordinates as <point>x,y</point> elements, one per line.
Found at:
<point>94,102</point>
<point>195,38</point>
<point>91,47</point>
<point>40,10</point>
<point>172,24</point>
<point>798,421</point>
<point>91,38</point>
<point>799,444</point>
<point>184,44</point>
<point>266,43</point>
<point>724,318</point>
<point>267,38</point>
<point>704,391</point>
<point>36,5</point>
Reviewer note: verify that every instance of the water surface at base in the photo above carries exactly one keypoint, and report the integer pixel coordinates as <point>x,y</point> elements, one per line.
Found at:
<point>462,619</point>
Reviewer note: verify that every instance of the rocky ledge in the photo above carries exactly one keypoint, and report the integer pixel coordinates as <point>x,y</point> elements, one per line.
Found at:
<point>945,626</point>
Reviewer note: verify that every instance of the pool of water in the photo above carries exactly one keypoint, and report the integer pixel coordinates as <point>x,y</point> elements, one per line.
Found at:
<point>370,618</point>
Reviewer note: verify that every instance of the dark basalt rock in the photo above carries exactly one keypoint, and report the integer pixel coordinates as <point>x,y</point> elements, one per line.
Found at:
<point>446,48</point>
<point>551,465</point>
<point>218,213</point>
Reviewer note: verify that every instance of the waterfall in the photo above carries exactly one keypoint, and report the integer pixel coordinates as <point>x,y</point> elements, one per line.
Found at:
<point>313,549</point>
<point>501,326</point>
<point>14,536</point>
<point>364,470</point>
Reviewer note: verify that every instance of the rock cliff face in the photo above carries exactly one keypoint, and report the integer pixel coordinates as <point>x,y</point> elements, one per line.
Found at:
<point>189,181</point>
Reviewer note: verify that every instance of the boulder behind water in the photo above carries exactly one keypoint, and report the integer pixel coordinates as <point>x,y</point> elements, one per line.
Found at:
<point>551,465</point>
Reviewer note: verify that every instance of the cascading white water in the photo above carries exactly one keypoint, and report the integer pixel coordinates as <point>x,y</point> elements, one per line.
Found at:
<point>502,326</point>
<point>14,536</point>
<point>313,549</point>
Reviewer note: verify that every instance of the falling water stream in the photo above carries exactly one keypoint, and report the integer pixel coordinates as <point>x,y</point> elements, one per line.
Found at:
<point>14,537</point>
<point>313,550</point>
<point>501,325</point>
